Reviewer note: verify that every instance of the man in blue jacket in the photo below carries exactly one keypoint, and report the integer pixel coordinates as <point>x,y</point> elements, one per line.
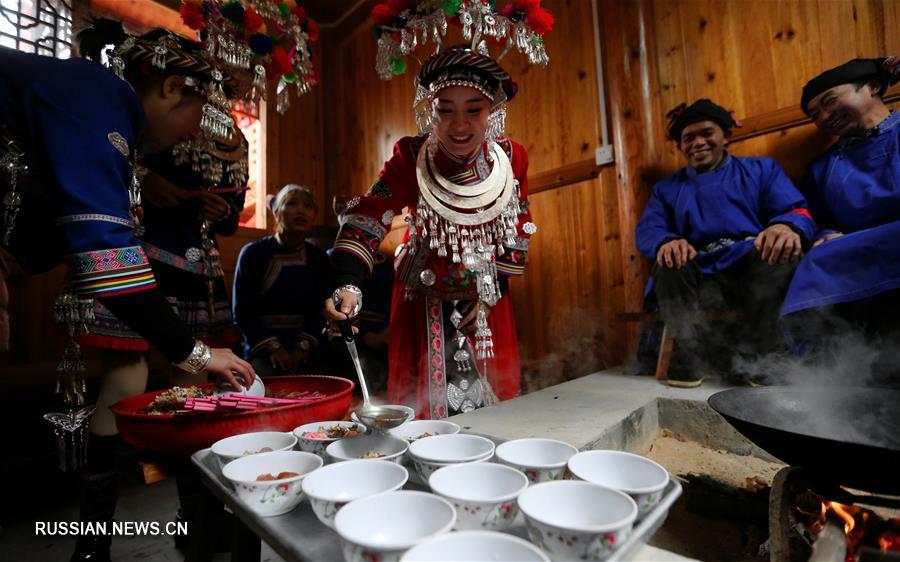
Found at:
<point>723,229</point>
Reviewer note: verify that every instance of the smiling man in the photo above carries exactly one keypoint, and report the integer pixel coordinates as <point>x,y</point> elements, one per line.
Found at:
<point>854,193</point>
<point>723,230</point>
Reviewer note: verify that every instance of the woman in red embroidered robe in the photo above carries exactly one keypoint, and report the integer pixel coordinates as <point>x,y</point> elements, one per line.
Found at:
<point>440,287</point>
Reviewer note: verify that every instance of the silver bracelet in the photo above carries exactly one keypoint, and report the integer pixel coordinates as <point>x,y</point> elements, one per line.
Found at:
<point>197,361</point>
<point>336,297</point>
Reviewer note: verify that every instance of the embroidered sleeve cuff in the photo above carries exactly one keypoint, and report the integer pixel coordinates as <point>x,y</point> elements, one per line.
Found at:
<point>111,272</point>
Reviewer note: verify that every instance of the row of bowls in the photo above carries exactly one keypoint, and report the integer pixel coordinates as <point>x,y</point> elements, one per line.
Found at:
<point>568,519</point>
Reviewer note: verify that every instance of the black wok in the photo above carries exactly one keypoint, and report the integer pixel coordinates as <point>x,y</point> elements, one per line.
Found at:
<point>848,435</point>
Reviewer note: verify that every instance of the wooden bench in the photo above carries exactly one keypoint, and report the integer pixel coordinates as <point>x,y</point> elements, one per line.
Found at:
<point>667,342</point>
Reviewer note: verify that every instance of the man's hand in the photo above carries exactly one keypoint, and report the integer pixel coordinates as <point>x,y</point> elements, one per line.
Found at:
<point>162,193</point>
<point>778,244</point>
<point>675,253</point>
<point>826,238</point>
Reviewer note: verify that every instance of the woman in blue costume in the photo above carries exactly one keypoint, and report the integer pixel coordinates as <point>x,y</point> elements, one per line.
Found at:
<point>279,285</point>
<point>853,271</point>
<point>72,132</point>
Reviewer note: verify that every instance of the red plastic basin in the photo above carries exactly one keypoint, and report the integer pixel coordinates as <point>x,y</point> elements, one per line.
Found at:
<point>182,435</point>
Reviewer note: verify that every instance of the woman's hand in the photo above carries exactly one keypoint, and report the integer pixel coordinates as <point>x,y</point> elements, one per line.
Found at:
<point>282,360</point>
<point>162,193</point>
<point>346,305</point>
<point>213,207</point>
<point>228,367</point>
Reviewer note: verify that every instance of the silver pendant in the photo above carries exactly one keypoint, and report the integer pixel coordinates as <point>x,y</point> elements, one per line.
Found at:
<point>193,254</point>
<point>427,277</point>
<point>71,431</point>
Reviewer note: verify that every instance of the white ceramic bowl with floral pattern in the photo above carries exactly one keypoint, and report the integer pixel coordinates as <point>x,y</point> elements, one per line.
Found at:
<point>475,546</point>
<point>308,435</point>
<point>237,446</point>
<point>384,526</point>
<point>639,477</point>
<point>542,460</point>
<point>391,448</point>
<point>417,429</point>
<point>572,520</point>
<point>332,487</point>
<point>271,497</point>
<point>484,494</point>
<point>428,455</point>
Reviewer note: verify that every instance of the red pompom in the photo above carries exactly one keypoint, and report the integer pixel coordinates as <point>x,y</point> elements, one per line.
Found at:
<point>300,13</point>
<point>540,21</point>
<point>281,62</point>
<point>507,10</point>
<point>381,14</point>
<point>312,30</point>
<point>192,16</point>
<point>528,5</point>
<point>252,20</point>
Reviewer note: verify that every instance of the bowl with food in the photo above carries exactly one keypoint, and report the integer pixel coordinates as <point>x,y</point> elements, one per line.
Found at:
<point>573,520</point>
<point>368,447</point>
<point>639,477</point>
<point>237,446</point>
<point>384,526</point>
<point>475,546</point>
<point>542,460</point>
<point>270,484</point>
<point>484,493</point>
<point>315,437</point>
<point>334,486</point>
<point>428,455</point>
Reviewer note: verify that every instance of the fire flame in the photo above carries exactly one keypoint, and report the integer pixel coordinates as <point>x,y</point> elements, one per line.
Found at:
<point>841,510</point>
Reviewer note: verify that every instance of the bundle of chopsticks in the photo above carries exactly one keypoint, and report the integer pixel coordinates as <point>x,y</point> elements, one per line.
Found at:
<point>233,402</point>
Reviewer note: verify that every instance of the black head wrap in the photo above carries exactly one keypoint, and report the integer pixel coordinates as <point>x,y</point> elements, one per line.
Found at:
<point>700,110</point>
<point>856,70</point>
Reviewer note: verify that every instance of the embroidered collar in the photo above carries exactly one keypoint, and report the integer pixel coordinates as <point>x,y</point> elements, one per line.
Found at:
<point>693,172</point>
<point>886,125</point>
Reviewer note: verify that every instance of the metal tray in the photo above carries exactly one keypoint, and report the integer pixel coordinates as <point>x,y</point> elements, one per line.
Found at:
<point>299,535</point>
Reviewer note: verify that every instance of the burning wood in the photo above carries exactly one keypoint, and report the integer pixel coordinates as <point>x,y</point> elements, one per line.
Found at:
<point>862,527</point>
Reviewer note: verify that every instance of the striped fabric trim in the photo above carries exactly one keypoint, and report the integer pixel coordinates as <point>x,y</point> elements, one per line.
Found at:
<point>94,217</point>
<point>802,212</point>
<point>510,268</point>
<point>357,249</point>
<point>111,272</point>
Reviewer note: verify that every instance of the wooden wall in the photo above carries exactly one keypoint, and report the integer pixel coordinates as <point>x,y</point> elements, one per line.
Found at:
<point>752,56</point>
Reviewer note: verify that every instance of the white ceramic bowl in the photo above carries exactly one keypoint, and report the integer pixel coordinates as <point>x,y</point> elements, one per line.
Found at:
<point>542,460</point>
<point>353,449</point>
<point>637,476</point>
<point>256,388</point>
<point>428,455</point>
<point>413,430</point>
<point>335,485</point>
<point>237,446</point>
<point>571,520</point>
<point>475,546</point>
<point>270,497</point>
<point>484,494</point>
<point>382,527</point>
<point>316,445</point>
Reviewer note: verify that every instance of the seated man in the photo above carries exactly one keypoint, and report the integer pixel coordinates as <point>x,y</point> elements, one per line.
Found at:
<point>723,228</point>
<point>854,193</point>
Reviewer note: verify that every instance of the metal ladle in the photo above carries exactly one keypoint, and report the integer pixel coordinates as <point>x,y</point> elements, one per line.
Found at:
<point>370,415</point>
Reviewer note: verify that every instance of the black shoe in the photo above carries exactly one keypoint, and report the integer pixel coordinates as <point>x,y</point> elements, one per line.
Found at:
<point>92,548</point>
<point>682,379</point>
